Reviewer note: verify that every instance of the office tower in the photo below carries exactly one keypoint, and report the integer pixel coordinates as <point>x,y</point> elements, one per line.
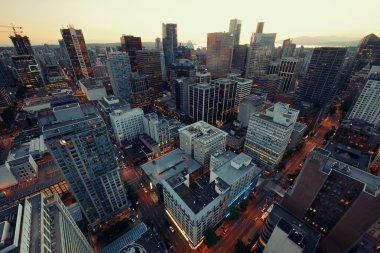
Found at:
<point>259,27</point>
<point>169,43</point>
<point>289,69</point>
<point>140,92</point>
<point>181,68</point>
<point>258,59</point>
<point>201,140</point>
<point>283,232</point>
<point>336,195</point>
<point>235,28</point>
<point>64,58</point>
<point>320,81</point>
<point>203,102</point>
<point>40,223</point>
<point>239,57</point>
<point>78,140</point>
<point>77,52</point>
<point>22,44</point>
<point>273,67</point>
<point>243,89</point>
<point>119,69</point>
<point>127,124</point>
<point>149,64</point>
<point>288,48</point>
<point>130,44</point>
<point>219,54</point>
<point>182,94</point>
<point>367,107</point>
<point>226,100</point>
<point>183,52</point>
<point>250,104</point>
<point>269,133</point>
<point>158,44</point>
<point>202,77</point>
<point>28,71</point>
<point>271,84</point>
<point>368,52</point>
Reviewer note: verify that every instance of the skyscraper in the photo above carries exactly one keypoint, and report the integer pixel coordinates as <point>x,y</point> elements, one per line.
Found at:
<point>119,69</point>
<point>203,102</point>
<point>169,43</point>
<point>289,69</point>
<point>226,100</point>
<point>181,68</point>
<point>239,57</point>
<point>320,81</point>
<point>336,195</point>
<point>243,89</point>
<point>367,107</point>
<point>22,44</point>
<point>368,52</point>
<point>40,223</point>
<point>77,52</point>
<point>131,44</point>
<point>219,54</point>
<point>28,71</point>
<point>140,92</point>
<point>260,27</point>
<point>149,64</point>
<point>235,28</point>
<point>288,48</point>
<point>269,133</point>
<point>78,140</point>
<point>258,59</point>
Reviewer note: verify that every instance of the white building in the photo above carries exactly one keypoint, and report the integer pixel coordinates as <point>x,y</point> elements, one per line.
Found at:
<point>127,124</point>
<point>269,133</point>
<point>40,224</point>
<point>235,171</point>
<point>367,107</point>
<point>201,140</point>
<point>94,89</point>
<point>243,89</point>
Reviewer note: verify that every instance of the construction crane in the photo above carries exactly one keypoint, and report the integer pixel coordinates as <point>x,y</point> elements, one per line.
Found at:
<point>14,29</point>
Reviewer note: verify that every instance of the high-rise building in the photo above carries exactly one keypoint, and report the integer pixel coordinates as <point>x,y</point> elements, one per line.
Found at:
<point>368,52</point>
<point>336,195</point>
<point>288,48</point>
<point>243,89</point>
<point>239,57</point>
<point>158,44</point>
<point>269,133</point>
<point>119,69</point>
<point>367,107</point>
<point>28,71</point>
<point>127,124</point>
<point>202,77</point>
<point>235,28</point>
<point>140,92</point>
<point>258,59</point>
<point>40,223</point>
<point>181,68</point>
<point>77,52</point>
<point>289,69</point>
<point>182,94</point>
<point>203,102</point>
<point>169,43</point>
<point>226,100</point>
<point>271,84</point>
<point>250,104</point>
<point>283,232</point>
<point>78,140</point>
<point>320,81</point>
<point>130,44</point>
<point>149,64</point>
<point>219,54</point>
<point>260,27</point>
<point>22,44</point>
<point>201,140</point>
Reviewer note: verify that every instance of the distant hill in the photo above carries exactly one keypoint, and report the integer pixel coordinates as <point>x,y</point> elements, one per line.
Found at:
<point>325,41</point>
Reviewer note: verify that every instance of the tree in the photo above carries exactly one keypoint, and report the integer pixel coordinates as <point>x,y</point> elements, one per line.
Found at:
<point>132,194</point>
<point>240,247</point>
<point>210,237</point>
<point>234,213</point>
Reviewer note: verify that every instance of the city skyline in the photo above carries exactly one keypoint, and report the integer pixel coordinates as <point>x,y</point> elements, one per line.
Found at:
<point>102,25</point>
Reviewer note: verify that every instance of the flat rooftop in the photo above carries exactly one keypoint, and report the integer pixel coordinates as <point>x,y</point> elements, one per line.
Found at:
<point>203,131</point>
<point>111,103</point>
<point>198,195</point>
<point>169,165</point>
<point>356,158</point>
<point>299,127</point>
<point>298,231</point>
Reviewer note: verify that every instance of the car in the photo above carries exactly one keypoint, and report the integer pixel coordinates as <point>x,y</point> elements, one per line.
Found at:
<point>145,190</point>
<point>171,229</point>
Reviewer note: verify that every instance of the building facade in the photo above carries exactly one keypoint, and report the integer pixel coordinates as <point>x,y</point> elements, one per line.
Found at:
<point>219,54</point>
<point>289,68</point>
<point>203,102</point>
<point>235,28</point>
<point>130,44</point>
<point>169,43</point>
<point>119,70</point>
<point>127,124</point>
<point>28,71</point>
<point>149,64</point>
<point>226,100</point>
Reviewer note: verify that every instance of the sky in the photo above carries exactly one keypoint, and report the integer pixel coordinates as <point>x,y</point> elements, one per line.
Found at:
<point>106,21</point>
